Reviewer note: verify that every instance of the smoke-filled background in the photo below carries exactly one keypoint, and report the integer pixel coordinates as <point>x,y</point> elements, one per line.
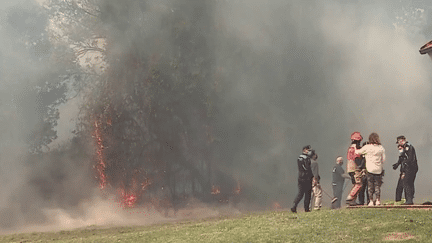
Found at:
<point>109,106</point>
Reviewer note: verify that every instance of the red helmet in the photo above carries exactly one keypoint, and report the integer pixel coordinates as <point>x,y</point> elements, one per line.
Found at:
<point>356,136</point>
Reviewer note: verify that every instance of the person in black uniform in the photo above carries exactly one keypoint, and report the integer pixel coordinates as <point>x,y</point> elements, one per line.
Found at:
<point>338,181</point>
<point>400,186</point>
<point>304,179</point>
<point>410,168</point>
<point>363,190</point>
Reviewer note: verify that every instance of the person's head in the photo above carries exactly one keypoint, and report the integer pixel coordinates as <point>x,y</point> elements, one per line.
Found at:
<point>356,136</point>
<point>339,160</point>
<point>401,140</point>
<point>314,155</point>
<point>307,149</point>
<point>374,138</point>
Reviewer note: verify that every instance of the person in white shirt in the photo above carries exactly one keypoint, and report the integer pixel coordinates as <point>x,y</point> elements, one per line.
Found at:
<point>375,156</point>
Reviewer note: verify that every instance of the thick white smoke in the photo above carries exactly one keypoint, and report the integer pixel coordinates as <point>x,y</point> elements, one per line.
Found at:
<point>384,82</point>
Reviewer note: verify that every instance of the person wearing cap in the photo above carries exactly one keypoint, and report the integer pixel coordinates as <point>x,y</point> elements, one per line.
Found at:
<point>316,186</point>
<point>354,168</point>
<point>410,168</point>
<point>375,156</point>
<point>400,184</point>
<point>304,179</point>
<point>338,180</point>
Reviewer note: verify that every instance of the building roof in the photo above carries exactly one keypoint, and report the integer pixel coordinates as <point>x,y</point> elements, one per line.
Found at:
<point>426,48</point>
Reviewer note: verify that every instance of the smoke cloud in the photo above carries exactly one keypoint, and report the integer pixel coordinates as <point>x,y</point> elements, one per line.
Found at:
<point>313,74</point>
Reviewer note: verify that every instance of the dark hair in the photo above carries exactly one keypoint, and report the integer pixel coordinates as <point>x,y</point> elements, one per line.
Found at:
<point>357,143</point>
<point>374,138</point>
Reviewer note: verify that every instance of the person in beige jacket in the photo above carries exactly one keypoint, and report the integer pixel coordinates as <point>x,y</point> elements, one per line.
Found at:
<point>375,156</point>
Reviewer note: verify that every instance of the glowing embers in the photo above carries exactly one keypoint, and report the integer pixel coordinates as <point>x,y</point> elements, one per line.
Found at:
<point>276,206</point>
<point>101,165</point>
<point>226,195</point>
<point>127,199</point>
<point>215,190</point>
<point>237,190</point>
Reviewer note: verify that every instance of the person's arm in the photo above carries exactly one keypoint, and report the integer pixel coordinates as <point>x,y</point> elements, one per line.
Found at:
<point>383,155</point>
<point>396,165</point>
<point>410,154</point>
<point>304,169</point>
<point>360,151</point>
<point>342,173</point>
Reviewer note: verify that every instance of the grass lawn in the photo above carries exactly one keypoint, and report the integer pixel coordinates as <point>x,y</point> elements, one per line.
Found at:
<point>345,225</point>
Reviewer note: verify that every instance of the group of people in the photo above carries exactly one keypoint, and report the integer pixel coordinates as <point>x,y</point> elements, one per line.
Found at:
<point>364,169</point>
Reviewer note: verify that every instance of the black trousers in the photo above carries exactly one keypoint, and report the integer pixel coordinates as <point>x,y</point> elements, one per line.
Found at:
<point>400,189</point>
<point>363,191</point>
<point>409,185</point>
<point>304,189</point>
<point>337,192</point>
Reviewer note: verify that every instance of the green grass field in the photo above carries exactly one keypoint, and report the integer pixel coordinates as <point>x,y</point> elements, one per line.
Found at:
<point>345,225</point>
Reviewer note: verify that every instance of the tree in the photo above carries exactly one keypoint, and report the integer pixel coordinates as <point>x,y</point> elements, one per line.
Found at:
<point>141,106</point>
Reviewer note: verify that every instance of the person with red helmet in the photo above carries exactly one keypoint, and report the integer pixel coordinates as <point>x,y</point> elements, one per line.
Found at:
<point>354,168</point>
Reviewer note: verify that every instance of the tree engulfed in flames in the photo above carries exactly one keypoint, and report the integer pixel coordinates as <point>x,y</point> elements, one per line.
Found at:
<point>127,196</point>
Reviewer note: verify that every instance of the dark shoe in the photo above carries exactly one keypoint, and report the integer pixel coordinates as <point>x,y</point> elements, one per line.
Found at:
<point>294,210</point>
<point>352,203</point>
<point>307,210</point>
<point>408,203</point>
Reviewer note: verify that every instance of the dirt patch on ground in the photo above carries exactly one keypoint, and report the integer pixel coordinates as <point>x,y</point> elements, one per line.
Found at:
<point>398,236</point>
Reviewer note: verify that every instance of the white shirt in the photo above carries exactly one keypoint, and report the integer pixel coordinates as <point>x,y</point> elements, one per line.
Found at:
<point>375,156</point>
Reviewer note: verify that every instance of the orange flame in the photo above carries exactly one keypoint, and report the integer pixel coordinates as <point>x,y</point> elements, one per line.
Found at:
<point>237,189</point>
<point>215,190</point>
<point>127,199</point>
<point>127,196</point>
